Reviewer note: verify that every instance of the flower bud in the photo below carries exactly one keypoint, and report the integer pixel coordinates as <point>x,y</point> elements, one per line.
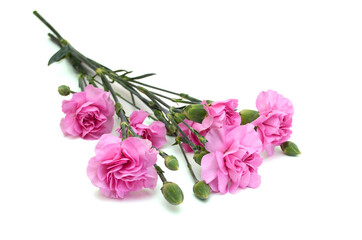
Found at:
<point>202,190</point>
<point>178,117</point>
<point>195,112</point>
<point>289,148</point>
<point>171,162</point>
<point>172,193</point>
<point>64,90</point>
<point>248,116</point>
<point>171,130</point>
<point>199,155</point>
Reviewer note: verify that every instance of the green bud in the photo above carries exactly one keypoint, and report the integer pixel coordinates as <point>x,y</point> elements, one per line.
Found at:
<point>248,116</point>
<point>171,130</point>
<point>178,117</point>
<point>64,90</point>
<point>199,155</point>
<point>202,190</point>
<point>195,112</point>
<point>289,148</point>
<point>172,193</point>
<point>171,162</point>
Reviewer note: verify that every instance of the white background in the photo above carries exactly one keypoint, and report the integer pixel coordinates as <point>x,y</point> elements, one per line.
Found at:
<point>309,51</point>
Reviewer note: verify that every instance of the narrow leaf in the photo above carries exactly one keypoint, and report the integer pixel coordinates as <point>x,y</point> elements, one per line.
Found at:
<point>59,55</point>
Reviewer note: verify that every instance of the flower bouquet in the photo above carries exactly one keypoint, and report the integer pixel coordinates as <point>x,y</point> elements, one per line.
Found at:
<point>225,143</point>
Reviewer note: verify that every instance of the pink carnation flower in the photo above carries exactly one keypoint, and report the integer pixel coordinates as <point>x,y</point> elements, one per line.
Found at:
<point>120,167</point>
<point>89,114</point>
<point>155,132</point>
<point>221,113</point>
<point>233,160</point>
<point>275,119</point>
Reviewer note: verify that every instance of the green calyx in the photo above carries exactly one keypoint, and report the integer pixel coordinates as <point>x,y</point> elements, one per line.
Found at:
<point>195,112</point>
<point>199,155</point>
<point>289,148</point>
<point>202,190</point>
<point>171,162</point>
<point>172,193</point>
<point>248,116</point>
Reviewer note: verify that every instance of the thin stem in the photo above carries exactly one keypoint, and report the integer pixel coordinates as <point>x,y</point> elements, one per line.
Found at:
<point>132,97</point>
<point>144,76</point>
<point>160,95</point>
<point>193,131</point>
<point>186,96</point>
<point>110,88</point>
<point>187,140</point>
<point>155,99</point>
<point>157,88</point>
<point>162,153</point>
<point>160,173</point>
<point>77,58</point>
<point>47,24</point>
<point>188,163</point>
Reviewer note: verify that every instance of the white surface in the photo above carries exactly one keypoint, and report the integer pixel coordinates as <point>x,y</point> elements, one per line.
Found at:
<point>309,51</point>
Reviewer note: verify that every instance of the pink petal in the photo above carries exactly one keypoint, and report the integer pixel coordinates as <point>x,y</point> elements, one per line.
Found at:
<point>137,117</point>
<point>223,181</point>
<point>255,180</point>
<point>209,167</point>
<point>215,140</point>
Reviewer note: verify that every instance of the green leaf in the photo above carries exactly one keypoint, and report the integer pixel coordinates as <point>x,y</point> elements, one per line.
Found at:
<point>60,54</point>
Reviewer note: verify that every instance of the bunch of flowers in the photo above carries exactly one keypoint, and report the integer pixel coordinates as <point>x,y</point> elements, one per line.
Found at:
<point>227,144</point>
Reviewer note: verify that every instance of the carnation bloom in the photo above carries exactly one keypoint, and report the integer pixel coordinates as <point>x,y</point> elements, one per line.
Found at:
<point>121,166</point>
<point>233,160</point>
<point>89,114</point>
<point>221,113</point>
<point>275,119</point>
<point>155,132</point>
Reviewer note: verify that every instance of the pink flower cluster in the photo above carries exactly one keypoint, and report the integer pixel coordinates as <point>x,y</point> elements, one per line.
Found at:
<point>119,166</point>
<point>124,165</point>
<point>234,150</point>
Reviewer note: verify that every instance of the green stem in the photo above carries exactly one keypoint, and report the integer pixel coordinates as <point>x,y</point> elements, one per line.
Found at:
<point>47,24</point>
<point>77,58</point>
<point>201,138</point>
<point>187,140</point>
<point>160,173</point>
<point>188,163</point>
